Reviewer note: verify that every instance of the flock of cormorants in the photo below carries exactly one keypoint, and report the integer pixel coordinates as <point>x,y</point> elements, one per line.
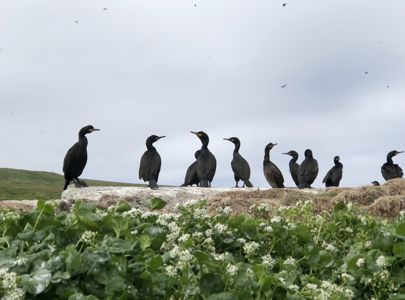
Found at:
<point>202,171</point>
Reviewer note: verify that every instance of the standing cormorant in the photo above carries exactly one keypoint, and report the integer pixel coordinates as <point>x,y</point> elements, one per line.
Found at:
<point>294,166</point>
<point>308,170</point>
<point>76,158</point>
<point>334,175</point>
<point>240,166</point>
<point>149,168</point>
<point>191,174</point>
<point>390,170</point>
<point>272,174</point>
<point>206,162</point>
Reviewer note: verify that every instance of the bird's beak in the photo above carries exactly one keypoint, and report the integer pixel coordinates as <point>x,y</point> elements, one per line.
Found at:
<point>286,153</point>
<point>227,139</point>
<point>274,144</point>
<point>194,132</point>
<point>161,137</point>
<point>95,129</point>
<point>400,152</point>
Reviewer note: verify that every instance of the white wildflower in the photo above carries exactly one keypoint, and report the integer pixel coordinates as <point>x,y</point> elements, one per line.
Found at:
<point>263,207</point>
<point>249,273</point>
<point>367,244</point>
<point>293,287</point>
<point>200,213</point>
<point>348,229</point>
<point>402,214</point>
<point>171,271</point>
<point>208,233</point>
<point>149,214</point>
<point>220,228</point>
<point>381,261</point>
<point>276,219</point>
<point>349,293</point>
<point>132,213</point>
<point>347,277</point>
<point>268,261</point>
<point>349,205</point>
<point>197,235</point>
<point>250,248</point>
<point>289,261</point>
<point>241,240</point>
<point>360,262</point>
<point>232,270</point>
<point>88,237</point>
<point>184,237</point>
<point>329,247</point>
<point>268,229</point>
<point>311,286</point>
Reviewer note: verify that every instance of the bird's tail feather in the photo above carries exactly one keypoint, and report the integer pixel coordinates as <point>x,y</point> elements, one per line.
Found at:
<point>204,183</point>
<point>66,184</point>
<point>248,183</point>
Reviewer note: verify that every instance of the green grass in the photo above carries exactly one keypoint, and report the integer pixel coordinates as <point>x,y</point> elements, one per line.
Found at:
<point>22,184</point>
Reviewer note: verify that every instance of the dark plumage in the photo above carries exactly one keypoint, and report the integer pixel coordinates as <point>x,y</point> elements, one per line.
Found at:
<point>151,162</point>
<point>294,166</point>
<point>206,162</point>
<point>272,174</point>
<point>240,166</point>
<point>308,170</point>
<point>375,183</point>
<point>335,174</point>
<point>390,170</point>
<point>191,174</point>
<point>76,158</point>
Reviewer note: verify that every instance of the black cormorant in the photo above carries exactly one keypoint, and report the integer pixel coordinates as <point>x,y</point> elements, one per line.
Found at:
<point>272,174</point>
<point>308,170</point>
<point>240,166</point>
<point>390,170</point>
<point>206,162</point>
<point>149,168</point>
<point>334,175</point>
<point>191,174</point>
<point>375,183</point>
<point>294,166</point>
<point>76,158</point>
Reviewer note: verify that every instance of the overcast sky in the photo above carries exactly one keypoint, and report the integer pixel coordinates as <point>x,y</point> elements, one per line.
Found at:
<point>166,67</point>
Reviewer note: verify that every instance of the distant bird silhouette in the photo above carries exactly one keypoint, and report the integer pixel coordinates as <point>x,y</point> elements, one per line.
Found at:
<point>388,86</point>
<point>76,21</point>
<point>284,4</point>
<point>283,86</point>
<point>191,174</point>
<point>76,158</point>
<point>334,175</point>
<point>272,174</point>
<point>390,170</point>
<point>206,162</point>
<point>308,170</point>
<point>240,167</point>
<point>366,72</point>
<point>294,166</point>
<point>375,183</point>
<point>151,162</point>
<point>105,8</point>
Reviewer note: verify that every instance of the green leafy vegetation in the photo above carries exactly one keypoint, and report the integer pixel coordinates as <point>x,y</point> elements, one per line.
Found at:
<point>25,185</point>
<point>124,253</point>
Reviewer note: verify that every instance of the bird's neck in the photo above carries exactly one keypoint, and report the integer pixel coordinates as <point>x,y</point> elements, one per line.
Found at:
<point>150,147</point>
<point>236,150</point>
<point>294,159</point>
<point>83,140</point>
<point>389,159</point>
<point>266,155</point>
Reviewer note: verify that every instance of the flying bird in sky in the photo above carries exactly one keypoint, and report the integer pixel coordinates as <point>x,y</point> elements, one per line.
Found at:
<point>283,86</point>
<point>284,4</point>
